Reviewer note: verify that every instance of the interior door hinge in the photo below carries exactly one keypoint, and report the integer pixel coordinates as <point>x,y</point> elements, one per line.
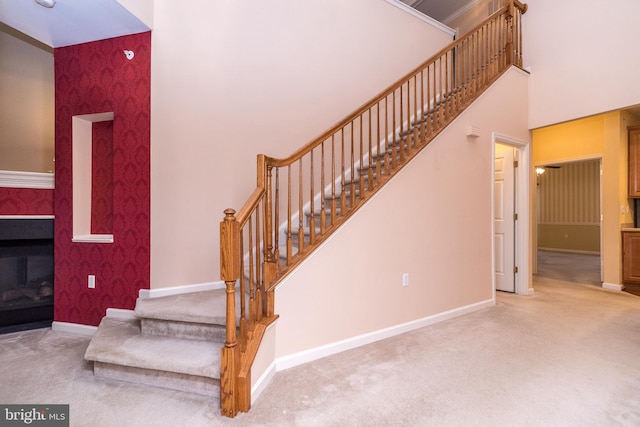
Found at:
<point>515,269</point>
<point>515,216</point>
<point>515,163</point>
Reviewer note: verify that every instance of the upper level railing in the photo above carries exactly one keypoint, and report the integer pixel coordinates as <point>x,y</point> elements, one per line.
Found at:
<point>300,200</point>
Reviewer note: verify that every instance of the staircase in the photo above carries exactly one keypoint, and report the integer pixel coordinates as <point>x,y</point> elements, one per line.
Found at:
<point>173,342</point>
<point>182,342</point>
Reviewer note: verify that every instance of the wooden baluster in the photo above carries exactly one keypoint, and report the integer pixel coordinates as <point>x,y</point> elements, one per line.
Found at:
<point>268,215</point>
<point>423,135</point>
<point>323,214</point>
<point>519,29</point>
<point>251,316</point>
<point>370,154</point>
<point>343,186</point>
<point>378,142</point>
<point>442,95</point>
<point>289,225</point>
<point>401,146</point>
<point>429,106</point>
<point>230,355</point>
<point>276,221</point>
<point>259,286</point>
<point>312,218</point>
<point>352,184</point>
<point>333,181</point>
<point>387,166</point>
<point>394,152</point>
<point>301,242</point>
<point>447,90</point>
<point>415,114</point>
<point>361,181</point>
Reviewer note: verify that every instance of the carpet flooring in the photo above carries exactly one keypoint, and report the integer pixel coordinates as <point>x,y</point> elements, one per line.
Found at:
<point>565,356</point>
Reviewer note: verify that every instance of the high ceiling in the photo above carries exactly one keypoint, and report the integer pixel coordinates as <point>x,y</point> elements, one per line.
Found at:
<point>78,21</point>
<point>70,21</point>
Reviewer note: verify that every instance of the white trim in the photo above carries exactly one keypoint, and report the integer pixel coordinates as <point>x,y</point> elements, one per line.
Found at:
<point>523,190</point>
<point>120,313</point>
<point>15,179</point>
<point>178,290</point>
<point>262,382</point>
<point>74,328</point>
<point>421,16</point>
<point>26,217</point>
<point>310,355</point>
<point>612,286</point>
<point>93,238</point>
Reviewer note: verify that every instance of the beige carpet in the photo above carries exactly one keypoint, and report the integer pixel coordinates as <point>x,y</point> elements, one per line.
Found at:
<point>565,356</point>
<point>570,267</point>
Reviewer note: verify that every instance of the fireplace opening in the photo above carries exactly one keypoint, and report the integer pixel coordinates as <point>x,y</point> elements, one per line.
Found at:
<point>26,274</point>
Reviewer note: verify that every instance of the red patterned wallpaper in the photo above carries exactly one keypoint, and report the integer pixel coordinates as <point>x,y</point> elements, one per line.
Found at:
<point>93,78</point>
<point>26,201</point>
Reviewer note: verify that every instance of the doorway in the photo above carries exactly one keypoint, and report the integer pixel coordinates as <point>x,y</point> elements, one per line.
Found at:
<point>569,221</point>
<point>510,213</point>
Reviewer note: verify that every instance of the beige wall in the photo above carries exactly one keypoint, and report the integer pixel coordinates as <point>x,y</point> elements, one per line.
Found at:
<point>582,58</point>
<point>603,136</point>
<point>432,221</point>
<point>26,104</point>
<point>231,80</point>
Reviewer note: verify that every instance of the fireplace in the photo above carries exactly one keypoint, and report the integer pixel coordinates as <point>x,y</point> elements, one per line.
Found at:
<point>26,274</point>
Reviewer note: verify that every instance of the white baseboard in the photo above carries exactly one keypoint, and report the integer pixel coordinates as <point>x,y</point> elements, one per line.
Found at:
<point>612,286</point>
<point>263,381</point>
<point>310,355</point>
<point>177,290</point>
<point>74,328</point>
<point>119,313</point>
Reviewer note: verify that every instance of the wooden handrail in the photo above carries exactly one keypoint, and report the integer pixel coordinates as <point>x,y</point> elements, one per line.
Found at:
<point>303,198</point>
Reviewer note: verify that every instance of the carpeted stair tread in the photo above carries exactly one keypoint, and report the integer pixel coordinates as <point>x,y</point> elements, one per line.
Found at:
<point>208,307</point>
<point>119,342</point>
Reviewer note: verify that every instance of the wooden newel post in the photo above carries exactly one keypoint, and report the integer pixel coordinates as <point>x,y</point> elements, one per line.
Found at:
<point>509,22</point>
<point>230,273</point>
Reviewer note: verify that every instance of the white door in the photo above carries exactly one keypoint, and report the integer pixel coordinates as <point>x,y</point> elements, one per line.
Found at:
<point>504,218</point>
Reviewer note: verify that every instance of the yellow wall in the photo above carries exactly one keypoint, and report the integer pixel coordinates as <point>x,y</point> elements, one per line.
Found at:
<point>603,136</point>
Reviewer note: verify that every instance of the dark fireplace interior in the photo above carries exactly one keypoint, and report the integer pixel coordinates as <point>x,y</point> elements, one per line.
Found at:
<point>26,274</point>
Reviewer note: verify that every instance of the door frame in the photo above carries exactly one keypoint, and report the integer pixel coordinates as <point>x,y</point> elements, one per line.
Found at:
<point>522,176</point>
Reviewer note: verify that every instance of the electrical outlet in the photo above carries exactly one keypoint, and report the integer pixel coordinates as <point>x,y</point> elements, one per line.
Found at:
<point>405,279</point>
<point>91,281</point>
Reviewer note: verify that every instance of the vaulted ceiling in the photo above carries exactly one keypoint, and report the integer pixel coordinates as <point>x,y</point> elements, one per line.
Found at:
<point>70,21</point>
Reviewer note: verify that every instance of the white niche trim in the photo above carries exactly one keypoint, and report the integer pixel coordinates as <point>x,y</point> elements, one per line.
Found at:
<point>81,137</point>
